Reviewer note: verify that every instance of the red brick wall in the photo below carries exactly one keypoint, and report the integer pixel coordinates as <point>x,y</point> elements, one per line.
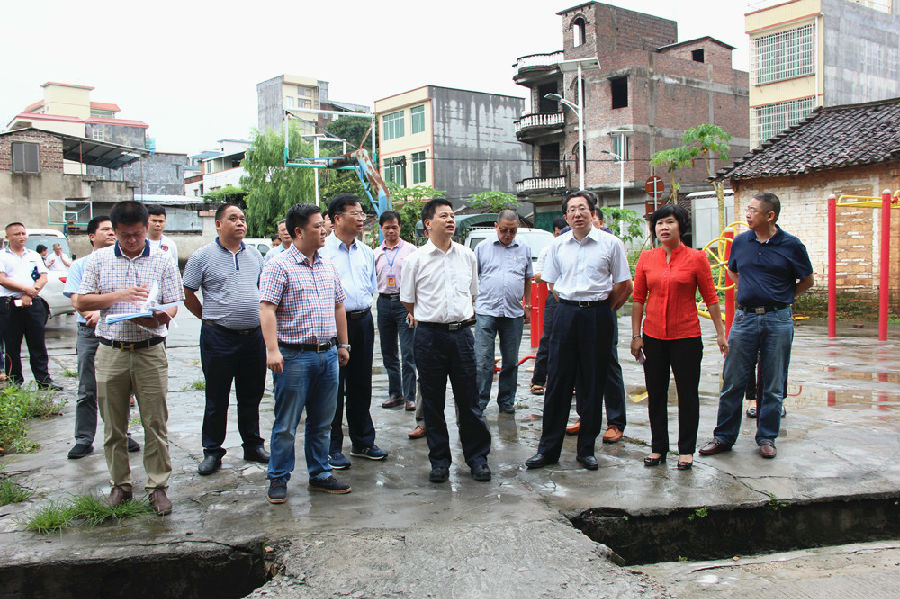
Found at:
<point>804,213</point>
<point>51,153</point>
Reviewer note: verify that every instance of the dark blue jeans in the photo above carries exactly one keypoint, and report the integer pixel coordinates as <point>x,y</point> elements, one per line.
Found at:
<point>391,325</point>
<point>487,328</point>
<point>441,354</point>
<point>309,381</point>
<point>225,357</point>
<point>769,335</point>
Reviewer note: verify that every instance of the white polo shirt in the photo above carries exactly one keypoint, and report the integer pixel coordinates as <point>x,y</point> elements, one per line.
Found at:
<point>585,270</point>
<point>20,269</point>
<point>441,285</point>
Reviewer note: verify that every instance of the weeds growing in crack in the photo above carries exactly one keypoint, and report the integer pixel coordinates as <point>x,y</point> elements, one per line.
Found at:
<point>86,510</point>
<point>17,405</point>
<point>11,491</point>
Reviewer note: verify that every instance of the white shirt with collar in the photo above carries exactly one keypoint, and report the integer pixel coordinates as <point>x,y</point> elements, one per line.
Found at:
<point>165,244</point>
<point>585,270</point>
<point>440,284</point>
<point>20,269</point>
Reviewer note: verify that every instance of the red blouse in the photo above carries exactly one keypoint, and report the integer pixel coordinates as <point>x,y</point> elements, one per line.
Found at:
<point>672,310</point>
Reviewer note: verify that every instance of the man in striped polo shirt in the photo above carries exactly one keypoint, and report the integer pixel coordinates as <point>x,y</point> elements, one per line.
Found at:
<point>302,316</point>
<point>231,343</point>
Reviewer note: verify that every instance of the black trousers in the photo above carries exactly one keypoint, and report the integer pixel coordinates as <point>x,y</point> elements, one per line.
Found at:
<point>540,360</point>
<point>579,351</point>
<point>683,356</point>
<point>225,357</point>
<point>355,388</point>
<point>27,321</point>
<point>440,355</point>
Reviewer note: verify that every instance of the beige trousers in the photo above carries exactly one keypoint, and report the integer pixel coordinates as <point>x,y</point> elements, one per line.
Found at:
<point>144,372</point>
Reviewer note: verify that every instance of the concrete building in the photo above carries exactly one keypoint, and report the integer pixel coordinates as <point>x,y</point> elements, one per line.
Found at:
<point>808,53</point>
<point>282,92</point>
<point>217,168</point>
<point>850,149</point>
<point>457,141</point>
<point>646,92</point>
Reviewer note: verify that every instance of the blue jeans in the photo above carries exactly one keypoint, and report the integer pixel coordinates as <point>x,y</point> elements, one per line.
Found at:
<point>770,335</point>
<point>391,324</point>
<point>486,330</point>
<point>309,379</point>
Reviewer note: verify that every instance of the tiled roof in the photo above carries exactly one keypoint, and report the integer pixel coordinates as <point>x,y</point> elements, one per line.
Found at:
<point>829,138</point>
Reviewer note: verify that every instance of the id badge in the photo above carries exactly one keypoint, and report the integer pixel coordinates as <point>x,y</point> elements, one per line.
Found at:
<point>391,281</point>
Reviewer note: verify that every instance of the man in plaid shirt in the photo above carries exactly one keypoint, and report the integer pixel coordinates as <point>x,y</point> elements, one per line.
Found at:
<point>301,311</point>
<point>132,357</point>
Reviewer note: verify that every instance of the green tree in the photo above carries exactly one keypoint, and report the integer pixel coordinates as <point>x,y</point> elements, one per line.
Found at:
<point>707,142</point>
<point>408,202</point>
<point>229,193</point>
<point>354,130</point>
<point>271,187</point>
<point>633,228</point>
<point>493,201</point>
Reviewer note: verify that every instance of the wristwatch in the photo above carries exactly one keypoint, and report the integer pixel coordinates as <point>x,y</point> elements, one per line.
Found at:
<point>344,346</point>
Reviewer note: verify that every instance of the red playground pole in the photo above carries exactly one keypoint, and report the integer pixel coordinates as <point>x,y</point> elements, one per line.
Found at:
<point>729,293</point>
<point>885,266</point>
<point>832,265</point>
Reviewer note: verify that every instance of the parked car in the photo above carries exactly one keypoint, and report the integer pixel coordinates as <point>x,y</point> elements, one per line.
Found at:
<point>56,280</point>
<point>536,239</point>
<point>260,243</point>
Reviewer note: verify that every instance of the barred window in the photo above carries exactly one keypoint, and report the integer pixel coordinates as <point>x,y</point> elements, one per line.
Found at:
<point>771,119</point>
<point>784,55</point>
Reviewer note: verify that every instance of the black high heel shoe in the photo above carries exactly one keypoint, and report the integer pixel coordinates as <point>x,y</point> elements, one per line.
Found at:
<point>649,461</point>
<point>685,465</point>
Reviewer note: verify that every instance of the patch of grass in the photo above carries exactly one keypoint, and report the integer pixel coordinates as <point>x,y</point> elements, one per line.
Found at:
<point>199,385</point>
<point>86,510</point>
<point>17,405</point>
<point>70,373</point>
<point>700,512</point>
<point>136,421</point>
<point>849,306</point>
<point>11,491</point>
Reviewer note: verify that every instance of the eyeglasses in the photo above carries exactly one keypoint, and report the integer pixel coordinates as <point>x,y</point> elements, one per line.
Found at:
<point>508,231</point>
<point>752,210</point>
<point>354,213</point>
<point>576,209</point>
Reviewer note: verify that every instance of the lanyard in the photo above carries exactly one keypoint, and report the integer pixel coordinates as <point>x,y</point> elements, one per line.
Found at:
<point>390,261</point>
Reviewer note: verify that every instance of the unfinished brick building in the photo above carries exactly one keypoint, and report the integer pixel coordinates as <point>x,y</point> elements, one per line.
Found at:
<point>646,90</point>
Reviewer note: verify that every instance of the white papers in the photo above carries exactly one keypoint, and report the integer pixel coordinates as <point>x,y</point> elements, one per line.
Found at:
<point>146,308</point>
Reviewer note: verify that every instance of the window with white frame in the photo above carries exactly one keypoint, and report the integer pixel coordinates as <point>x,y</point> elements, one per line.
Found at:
<point>304,103</point>
<point>98,134</point>
<point>26,157</point>
<point>394,170</point>
<point>289,101</point>
<point>392,125</point>
<point>417,119</point>
<point>771,119</point>
<point>418,167</point>
<point>784,55</point>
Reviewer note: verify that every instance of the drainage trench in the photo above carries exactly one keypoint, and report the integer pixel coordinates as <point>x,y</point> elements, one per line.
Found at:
<point>723,532</point>
<point>225,572</point>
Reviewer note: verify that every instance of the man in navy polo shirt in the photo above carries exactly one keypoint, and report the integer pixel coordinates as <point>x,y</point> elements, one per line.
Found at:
<point>770,267</point>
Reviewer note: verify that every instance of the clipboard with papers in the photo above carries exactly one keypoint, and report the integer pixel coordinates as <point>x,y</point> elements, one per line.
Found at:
<point>146,308</point>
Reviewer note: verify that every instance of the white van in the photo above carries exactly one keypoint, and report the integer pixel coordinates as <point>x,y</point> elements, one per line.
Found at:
<point>536,239</point>
<point>56,280</point>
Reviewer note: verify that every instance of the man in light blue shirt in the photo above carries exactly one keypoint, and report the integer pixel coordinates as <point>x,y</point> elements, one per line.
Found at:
<point>285,242</point>
<point>355,264</point>
<point>101,234</point>
<point>504,279</point>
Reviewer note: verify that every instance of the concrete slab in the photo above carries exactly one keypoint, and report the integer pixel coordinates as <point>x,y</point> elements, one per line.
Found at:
<point>840,438</point>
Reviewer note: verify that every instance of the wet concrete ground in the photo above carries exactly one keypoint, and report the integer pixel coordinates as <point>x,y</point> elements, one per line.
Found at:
<point>840,438</point>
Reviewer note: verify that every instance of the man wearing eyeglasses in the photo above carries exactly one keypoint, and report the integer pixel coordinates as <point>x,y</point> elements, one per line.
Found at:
<point>770,267</point>
<point>355,264</point>
<point>504,278</point>
<point>590,279</point>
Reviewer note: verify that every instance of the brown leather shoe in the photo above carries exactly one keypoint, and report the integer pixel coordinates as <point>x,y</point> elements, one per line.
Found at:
<point>713,447</point>
<point>116,496</point>
<point>410,406</point>
<point>160,503</point>
<point>417,433</point>
<point>767,450</point>
<point>573,429</point>
<point>393,402</point>
<point>612,434</point>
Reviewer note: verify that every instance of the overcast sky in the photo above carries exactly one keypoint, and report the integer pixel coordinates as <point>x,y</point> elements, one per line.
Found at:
<point>189,69</point>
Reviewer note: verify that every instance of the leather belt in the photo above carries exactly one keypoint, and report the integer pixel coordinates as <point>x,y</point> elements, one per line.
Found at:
<point>762,309</point>
<point>357,314</point>
<point>390,296</point>
<point>448,326</point>
<point>216,325</point>
<point>131,345</point>
<point>316,347</point>
<point>585,304</point>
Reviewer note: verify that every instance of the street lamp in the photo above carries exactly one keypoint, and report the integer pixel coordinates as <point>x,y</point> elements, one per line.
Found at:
<point>566,65</point>
<point>621,187</point>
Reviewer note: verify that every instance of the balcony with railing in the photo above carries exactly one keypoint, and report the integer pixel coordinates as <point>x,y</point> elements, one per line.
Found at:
<point>536,185</point>
<point>539,123</point>
<point>537,65</point>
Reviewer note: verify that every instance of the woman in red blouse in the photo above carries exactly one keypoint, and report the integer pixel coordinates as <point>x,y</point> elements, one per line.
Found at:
<point>671,275</point>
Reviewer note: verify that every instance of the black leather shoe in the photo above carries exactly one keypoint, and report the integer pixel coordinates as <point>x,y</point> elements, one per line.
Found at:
<point>257,454</point>
<point>481,473</point>
<point>49,385</point>
<point>133,445</point>
<point>79,450</point>
<point>588,461</point>
<point>684,465</point>
<point>439,474</point>
<point>651,461</point>
<point>209,465</point>
<point>538,460</point>
<point>751,412</point>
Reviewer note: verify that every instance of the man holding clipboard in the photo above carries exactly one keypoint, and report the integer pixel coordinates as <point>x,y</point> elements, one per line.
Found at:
<point>124,279</point>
